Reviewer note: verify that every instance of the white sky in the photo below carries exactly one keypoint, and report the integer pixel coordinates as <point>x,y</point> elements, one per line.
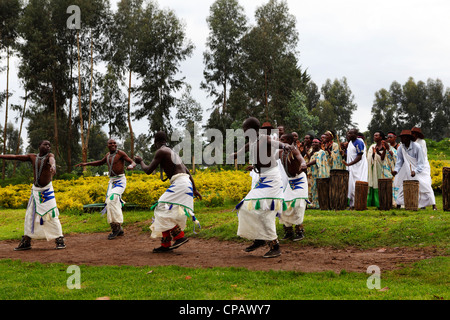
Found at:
<point>371,43</point>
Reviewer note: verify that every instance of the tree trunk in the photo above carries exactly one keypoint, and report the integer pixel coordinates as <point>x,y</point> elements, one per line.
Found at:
<point>69,146</point>
<point>224,108</point>
<point>55,121</point>
<point>265,94</point>
<point>129,118</point>
<point>90,104</point>
<point>6,111</point>
<point>20,129</point>
<point>83,147</point>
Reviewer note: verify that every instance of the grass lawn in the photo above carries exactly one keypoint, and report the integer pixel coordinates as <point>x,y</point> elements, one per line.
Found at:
<point>424,280</point>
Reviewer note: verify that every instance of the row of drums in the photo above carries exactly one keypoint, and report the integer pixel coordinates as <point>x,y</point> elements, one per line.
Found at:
<point>333,192</point>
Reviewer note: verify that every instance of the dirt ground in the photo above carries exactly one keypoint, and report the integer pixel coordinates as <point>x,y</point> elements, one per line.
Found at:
<point>135,249</point>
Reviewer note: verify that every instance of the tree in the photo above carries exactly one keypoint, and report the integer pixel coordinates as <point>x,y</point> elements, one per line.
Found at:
<point>161,46</point>
<point>9,19</point>
<point>270,71</point>
<point>95,23</point>
<point>421,104</point>
<point>124,38</point>
<point>298,118</point>
<point>227,24</point>
<point>44,65</point>
<point>339,105</point>
<point>113,104</point>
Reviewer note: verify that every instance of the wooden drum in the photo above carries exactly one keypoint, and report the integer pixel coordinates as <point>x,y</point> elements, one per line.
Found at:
<point>411,194</point>
<point>338,189</point>
<point>385,194</point>
<point>323,190</point>
<point>446,188</point>
<point>361,192</point>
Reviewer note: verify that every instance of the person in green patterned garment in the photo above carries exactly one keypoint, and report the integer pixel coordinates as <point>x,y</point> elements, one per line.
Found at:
<point>320,168</point>
<point>333,151</point>
<point>381,162</point>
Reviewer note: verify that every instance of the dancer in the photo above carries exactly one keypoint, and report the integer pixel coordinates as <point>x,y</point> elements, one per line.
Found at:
<point>295,193</point>
<point>177,202</point>
<point>257,211</point>
<point>41,217</point>
<point>115,160</point>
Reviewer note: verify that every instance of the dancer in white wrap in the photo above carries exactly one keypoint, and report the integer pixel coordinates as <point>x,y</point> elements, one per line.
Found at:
<point>115,159</point>
<point>177,203</point>
<point>410,165</point>
<point>356,163</point>
<point>41,217</point>
<point>295,192</point>
<point>258,210</point>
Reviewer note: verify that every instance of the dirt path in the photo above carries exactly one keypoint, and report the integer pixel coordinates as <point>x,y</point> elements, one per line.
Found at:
<point>135,249</point>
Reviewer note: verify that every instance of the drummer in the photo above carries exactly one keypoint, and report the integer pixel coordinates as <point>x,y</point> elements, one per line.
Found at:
<point>410,166</point>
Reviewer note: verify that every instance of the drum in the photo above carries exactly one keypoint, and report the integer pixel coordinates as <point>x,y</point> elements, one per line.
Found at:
<point>338,189</point>
<point>446,188</point>
<point>385,194</point>
<point>361,192</point>
<point>323,190</point>
<point>411,194</point>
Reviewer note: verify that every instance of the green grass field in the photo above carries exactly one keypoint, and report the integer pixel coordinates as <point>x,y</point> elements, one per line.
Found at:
<point>424,280</point>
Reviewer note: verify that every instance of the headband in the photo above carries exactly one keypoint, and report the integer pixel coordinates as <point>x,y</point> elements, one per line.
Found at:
<point>330,133</point>
<point>316,140</point>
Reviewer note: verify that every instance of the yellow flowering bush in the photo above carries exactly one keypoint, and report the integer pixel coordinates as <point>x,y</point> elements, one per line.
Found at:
<point>436,173</point>
<point>142,190</point>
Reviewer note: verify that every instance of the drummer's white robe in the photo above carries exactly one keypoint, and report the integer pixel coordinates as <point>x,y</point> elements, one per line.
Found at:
<point>358,171</point>
<point>413,159</point>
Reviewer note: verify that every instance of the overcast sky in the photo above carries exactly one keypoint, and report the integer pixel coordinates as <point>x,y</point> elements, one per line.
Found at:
<point>371,43</point>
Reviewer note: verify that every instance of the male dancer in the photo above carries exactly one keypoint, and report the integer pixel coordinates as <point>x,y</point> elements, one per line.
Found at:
<point>177,202</point>
<point>295,192</point>
<point>116,187</point>
<point>41,218</point>
<point>257,211</point>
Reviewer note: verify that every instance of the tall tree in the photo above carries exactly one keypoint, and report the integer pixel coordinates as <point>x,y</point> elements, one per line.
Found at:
<point>340,98</point>
<point>113,106</point>
<point>422,104</point>
<point>124,38</point>
<point>161,47</point>
<point>227,24</point>
<point>44,64</point>
<point>270,65</point>
<point>9,19</point>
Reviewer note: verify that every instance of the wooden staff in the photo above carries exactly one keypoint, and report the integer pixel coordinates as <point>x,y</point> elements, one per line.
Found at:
<point>340,148</point>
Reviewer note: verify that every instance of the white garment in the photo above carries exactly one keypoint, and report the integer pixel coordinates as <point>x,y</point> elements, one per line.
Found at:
<point>426,194</point>
<point>257,212</point>
<point>113,201</point>
<point>426,164</point>
<point>295,195</point>
<point>174,206</point>
<point>41,217</point>
<point>357,172</point>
